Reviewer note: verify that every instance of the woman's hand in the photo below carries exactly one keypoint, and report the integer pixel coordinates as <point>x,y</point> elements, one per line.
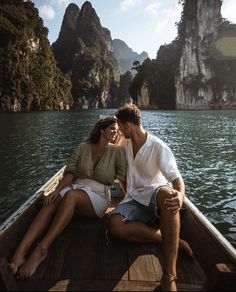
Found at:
<point>49,198</point>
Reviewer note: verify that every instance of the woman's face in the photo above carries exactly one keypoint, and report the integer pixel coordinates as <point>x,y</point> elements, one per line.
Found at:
<point>110,132</point>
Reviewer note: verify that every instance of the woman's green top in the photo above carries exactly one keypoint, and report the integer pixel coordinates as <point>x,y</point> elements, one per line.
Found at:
<point>112,164</point>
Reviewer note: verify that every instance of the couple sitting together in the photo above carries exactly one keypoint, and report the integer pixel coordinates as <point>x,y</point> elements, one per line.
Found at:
<point>148,175</point>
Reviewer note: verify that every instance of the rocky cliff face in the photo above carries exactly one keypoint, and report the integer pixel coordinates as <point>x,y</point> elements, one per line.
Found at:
<point>65,46</point>
<point>125,56</point>
<point>84,51</point>
<point>29,76</point>
<point>198,83</point>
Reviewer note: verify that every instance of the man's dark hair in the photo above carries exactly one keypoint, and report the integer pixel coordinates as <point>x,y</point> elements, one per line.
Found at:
<point>129,113</point>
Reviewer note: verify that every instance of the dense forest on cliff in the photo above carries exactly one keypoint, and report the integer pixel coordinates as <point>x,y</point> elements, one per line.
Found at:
<point>84,51</point>
<point>29,76</point>
<point>158,75</point>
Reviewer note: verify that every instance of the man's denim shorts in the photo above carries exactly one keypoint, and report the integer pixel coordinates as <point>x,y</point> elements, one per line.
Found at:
<point>135,211</point>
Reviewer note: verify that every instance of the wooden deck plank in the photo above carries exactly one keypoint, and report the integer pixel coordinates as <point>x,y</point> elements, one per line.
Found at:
<point>57,255</point>
<point>112,260</point>
<point>83,259</point>
<point>157,260</point>
<point>80,259</point>
<point>189,270</point>
<point>51,267</point>
<point>140,262</point>
<point>203,244</point>
<point>7,280</point>
<point>101,285</point>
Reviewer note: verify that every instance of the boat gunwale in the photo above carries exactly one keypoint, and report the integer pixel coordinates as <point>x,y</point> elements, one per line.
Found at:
<point>200,217</point>
<point>10,221</point>
<point>212,230</point>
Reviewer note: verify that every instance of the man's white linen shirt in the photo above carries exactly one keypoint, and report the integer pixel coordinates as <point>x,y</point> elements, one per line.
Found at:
<point>153,166</point>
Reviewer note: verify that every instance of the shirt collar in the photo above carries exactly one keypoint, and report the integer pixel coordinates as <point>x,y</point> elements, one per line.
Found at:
<point>149,140</point>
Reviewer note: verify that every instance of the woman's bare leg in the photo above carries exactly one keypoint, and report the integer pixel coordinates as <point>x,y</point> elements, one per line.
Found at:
<point>73,200</point>
<point>37,227</point>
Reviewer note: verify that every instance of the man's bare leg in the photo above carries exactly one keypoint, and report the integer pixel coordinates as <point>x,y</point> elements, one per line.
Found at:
<point>76,199</point>
<point>139,232</point>
<point>170,227</point>
<point>37,227</point>
<point>135,231</point>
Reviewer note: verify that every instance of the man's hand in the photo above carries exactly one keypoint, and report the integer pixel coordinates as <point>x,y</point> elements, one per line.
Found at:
<point>49,198</point>
<point>175,203</point>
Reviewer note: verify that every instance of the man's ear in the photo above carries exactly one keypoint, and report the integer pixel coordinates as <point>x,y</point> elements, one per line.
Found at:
<point>128,125</point>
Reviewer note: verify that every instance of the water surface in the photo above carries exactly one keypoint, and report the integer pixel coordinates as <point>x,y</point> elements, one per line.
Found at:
<point>36,145</point>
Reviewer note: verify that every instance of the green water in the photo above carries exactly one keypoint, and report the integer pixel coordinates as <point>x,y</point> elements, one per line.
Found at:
<point>33,146</point>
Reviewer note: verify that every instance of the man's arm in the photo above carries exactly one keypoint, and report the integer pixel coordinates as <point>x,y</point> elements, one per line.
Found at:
<point>178,185</point>
<point>178,194</point>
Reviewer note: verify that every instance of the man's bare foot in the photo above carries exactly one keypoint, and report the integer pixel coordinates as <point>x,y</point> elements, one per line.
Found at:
<point>32,263</point>
<point>168,282</point>
<point>183,245</point>
<point>16,262</point>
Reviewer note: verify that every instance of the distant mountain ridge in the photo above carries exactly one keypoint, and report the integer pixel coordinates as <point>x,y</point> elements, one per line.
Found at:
<point>125,56</point>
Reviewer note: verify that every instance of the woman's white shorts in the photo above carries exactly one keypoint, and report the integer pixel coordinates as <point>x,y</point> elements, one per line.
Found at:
<point>98,198</point>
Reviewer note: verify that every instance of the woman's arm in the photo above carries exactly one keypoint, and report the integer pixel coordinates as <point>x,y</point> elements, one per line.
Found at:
<point>122,186</point>
<point>67,180</point>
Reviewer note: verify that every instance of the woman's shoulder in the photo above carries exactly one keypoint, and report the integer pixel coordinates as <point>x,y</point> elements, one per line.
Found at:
<point>82,146</point>
<point>117,149</point>
<point>115,146</point>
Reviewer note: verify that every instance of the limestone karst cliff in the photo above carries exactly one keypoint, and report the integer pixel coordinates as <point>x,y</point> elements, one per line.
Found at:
<point>197,70</point>
<point>201,81</point>
<point>84,51</point>
<point>29,76</point>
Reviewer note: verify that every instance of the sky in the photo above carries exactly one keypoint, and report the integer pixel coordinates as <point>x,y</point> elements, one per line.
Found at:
<point>144,25</point>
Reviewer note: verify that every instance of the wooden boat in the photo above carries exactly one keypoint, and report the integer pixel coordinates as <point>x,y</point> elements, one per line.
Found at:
<point>82,259</point>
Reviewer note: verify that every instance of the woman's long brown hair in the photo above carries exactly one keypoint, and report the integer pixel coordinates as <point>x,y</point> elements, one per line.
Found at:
<point>102,124</point>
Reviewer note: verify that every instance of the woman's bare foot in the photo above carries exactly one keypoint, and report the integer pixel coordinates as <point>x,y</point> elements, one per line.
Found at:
<point>16,262</point>
<point>32,263</point>
<point>183,245</point>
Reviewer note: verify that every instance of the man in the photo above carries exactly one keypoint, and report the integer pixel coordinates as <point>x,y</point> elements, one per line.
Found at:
<point>154,188</point>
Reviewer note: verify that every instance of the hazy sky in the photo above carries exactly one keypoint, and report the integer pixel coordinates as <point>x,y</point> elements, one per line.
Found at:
<point>143,24</point>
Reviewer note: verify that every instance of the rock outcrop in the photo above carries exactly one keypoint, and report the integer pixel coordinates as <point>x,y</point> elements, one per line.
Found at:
<point>84,51</point>
<point>197,70</point>
<point>125,56</point>
<point>29,76</point>
<point>202,81</point>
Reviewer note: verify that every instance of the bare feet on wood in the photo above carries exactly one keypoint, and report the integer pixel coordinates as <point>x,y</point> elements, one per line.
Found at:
<point>32,263</point>
<point>16,262</point>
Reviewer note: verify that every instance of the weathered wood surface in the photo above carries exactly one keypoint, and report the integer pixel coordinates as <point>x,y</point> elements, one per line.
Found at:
<point>82,259</point>
<point>102,285</point>
<point>207,249</point>
<point>7,281</point>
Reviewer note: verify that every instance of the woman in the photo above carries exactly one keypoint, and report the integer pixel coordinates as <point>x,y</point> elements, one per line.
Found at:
<point>84,189</point>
